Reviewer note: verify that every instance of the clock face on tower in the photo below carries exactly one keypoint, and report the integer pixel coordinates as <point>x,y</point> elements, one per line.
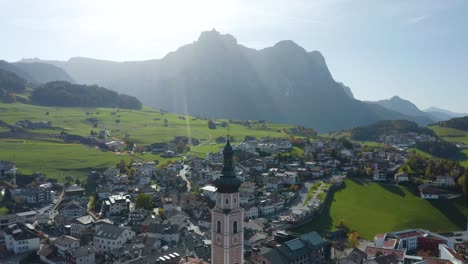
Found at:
<point>219,239</point>
<point>235,239</point>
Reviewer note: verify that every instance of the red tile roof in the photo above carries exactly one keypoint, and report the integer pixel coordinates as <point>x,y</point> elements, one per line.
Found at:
<point>372,251</point>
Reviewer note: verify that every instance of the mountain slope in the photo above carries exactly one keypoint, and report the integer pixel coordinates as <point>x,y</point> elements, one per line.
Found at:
<point>43,72</point>
<point>407,108</point>
<point>6,66</point>
<point>443,114</point>
<point>217,77</point>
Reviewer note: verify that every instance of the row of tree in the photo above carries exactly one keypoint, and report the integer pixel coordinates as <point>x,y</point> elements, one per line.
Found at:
<point>457,123</point>
<point>374,131</point>
<point>65,94</point>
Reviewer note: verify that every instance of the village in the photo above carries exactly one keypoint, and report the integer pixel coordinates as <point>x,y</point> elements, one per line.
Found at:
<point>139,213</point>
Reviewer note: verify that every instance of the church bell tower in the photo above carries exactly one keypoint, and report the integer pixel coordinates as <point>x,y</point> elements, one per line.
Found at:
<point>227,234</point>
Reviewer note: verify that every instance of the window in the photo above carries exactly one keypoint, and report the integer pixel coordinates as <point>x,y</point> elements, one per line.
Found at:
<point>218,227</point>
<point>234,227</point>
<point>235,200</point>
<point>227,201</point>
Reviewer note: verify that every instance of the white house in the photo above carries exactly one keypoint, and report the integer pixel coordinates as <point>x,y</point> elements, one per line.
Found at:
<point>81,225</point>
<point>449,254</point>
<point>250,212</point>
<point>401,177</point>
<point>109,237</point>
<point>266,208</point>
<point>65,243</point>
<point>21,238</point>
<point>428,191</point>
<point>115,205</point>
<point>444,181</point>
<point>379,176</point>
<point>72,209</point>
<point>408,239</point>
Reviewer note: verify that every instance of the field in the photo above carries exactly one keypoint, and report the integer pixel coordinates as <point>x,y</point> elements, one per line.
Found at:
<point>58,159</point>
<point>371,208</point>
<point>454,136</point>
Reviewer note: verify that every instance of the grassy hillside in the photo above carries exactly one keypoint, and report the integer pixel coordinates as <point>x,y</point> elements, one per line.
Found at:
<point>371,208</point>
<point>145,127</point>
<point>454,136</point>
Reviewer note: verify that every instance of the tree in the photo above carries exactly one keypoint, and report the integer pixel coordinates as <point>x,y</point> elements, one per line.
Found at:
<point>161,212</point>
<point>143,201</point>
<point>180,147</point>
<point>122,166</point>
<point>353,239</point>
<point>3,211</point>
<point>7,197</point>
<point>91,204</point>
<point>166,122</point>
<point>211,124</point>
<point>463,183</point>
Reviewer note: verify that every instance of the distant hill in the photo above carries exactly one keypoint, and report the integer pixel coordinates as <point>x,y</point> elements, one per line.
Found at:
<point>216,77</point>
<point>64,94</point>
<point>443,114</point>
<point>6,66</point>
<point>407,108</point>
<point>43,72</point>
<point>36,73</point>
<point>373,131</point>
<point>457,123</point>
<point>10,84</point>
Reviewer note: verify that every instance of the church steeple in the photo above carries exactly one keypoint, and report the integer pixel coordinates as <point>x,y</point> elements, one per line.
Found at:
<point>227,217</point>
<point>228,182</point>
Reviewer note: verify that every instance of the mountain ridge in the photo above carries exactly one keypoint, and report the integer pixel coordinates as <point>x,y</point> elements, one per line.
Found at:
<point>216,77</point>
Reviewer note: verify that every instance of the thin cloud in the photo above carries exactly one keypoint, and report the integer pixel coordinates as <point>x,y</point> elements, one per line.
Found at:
<point>417,19</point>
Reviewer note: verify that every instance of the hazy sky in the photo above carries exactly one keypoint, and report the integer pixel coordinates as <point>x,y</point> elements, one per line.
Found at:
<point>415,49</point>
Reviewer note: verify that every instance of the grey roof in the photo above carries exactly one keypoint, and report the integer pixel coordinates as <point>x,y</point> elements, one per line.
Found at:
<point>85,220</point>
<point>20,231</point>
<point>158,228</point>
<point>109,232</point>
<point>313,238</point>
<point>63,240</point>
<point>83,251</point>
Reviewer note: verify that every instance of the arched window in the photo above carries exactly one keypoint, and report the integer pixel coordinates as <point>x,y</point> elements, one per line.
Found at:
<point>218,227</point>
<point>234,227</point>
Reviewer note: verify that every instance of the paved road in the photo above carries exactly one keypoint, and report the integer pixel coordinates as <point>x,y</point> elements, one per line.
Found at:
<point>298,203</point>
<point>182,174</point>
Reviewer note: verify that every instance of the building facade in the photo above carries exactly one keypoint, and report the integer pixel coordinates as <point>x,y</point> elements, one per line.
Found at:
<point>227,216</point>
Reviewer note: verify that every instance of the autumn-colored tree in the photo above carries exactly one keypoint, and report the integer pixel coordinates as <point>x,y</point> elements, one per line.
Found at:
<point>353,239</point>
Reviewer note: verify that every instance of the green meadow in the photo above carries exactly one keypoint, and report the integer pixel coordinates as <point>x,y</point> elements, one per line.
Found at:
<point>371,208</point>
<point>58,159</point>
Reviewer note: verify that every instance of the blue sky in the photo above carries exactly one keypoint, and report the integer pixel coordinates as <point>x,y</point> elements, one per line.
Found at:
<point>415,49</point>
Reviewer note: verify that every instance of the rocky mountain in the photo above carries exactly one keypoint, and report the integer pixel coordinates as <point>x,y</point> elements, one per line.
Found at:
<point>216,77</point>
<point>36,72</point>
<point>443,114</point>
<point>347,90</point>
